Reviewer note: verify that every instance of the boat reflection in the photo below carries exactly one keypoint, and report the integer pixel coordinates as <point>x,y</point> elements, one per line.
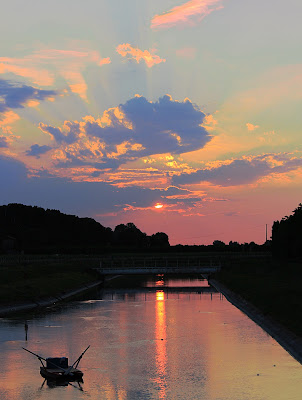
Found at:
<point>51,383</point>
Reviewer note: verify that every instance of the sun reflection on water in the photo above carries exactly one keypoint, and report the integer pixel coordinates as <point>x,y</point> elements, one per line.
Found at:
<point>161,350</point>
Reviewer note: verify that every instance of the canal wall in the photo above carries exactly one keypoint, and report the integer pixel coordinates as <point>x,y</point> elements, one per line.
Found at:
<point>47,302</point>
<point>287,339</point>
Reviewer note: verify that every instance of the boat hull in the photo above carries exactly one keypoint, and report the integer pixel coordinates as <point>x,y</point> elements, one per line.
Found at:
<point>56,374</point>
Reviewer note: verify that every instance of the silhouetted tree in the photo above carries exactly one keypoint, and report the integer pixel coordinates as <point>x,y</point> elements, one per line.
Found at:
<point>287,235</point>
<point>218,245</point>
<point>129,235</point>
<point>234,246</point>
<point>160,240</point>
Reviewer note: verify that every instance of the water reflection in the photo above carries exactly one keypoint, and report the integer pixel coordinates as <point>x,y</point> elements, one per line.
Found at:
<point>62,383</point>
<point>161,351</point>
<point>158,344</point>
<point>160,280</point>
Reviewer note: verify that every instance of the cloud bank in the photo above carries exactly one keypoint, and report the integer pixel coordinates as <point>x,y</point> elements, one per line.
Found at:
<point>240,172</point>
<point>16,95</point>
<point>84,198</point>
<point>130,131</point>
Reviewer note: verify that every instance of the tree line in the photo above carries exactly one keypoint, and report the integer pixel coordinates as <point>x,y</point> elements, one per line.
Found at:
<point>32,229</point>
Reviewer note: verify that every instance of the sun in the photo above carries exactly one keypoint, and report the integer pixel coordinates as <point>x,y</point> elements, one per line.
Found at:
<point>158,205</point>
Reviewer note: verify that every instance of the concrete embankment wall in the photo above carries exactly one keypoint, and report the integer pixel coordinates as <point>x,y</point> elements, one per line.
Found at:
<point>287,339</point>
<point>47,302</point>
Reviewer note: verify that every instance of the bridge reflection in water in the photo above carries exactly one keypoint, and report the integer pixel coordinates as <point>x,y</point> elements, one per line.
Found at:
<point>160,288</point>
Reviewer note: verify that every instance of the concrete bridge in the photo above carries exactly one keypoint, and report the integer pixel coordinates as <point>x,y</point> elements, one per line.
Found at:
<point>158,265</point>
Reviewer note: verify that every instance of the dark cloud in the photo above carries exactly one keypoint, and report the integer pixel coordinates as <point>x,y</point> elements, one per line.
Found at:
<point>36,150</point>
<point>71,136</point>
<point>16,95</point>
<point>3,142</point>
<point>104,164</point>
<point>81,198</point>
<point>140,127</point>
<point>164,126</point>
<point>238,172</point>
<point>12,173</point>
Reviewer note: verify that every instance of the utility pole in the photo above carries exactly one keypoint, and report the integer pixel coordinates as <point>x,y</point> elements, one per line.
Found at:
<point>265,233</point>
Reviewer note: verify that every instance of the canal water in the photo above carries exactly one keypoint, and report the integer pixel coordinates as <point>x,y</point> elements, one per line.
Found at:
<point>156,342</point>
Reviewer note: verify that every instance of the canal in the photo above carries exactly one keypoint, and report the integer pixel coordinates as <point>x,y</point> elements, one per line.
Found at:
<point>157,341</point>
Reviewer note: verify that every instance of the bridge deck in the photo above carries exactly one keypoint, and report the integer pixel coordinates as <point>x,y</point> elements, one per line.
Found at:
<point>206,269</point>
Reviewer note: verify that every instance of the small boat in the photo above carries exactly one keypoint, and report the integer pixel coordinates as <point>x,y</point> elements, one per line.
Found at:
<point>57,368</point>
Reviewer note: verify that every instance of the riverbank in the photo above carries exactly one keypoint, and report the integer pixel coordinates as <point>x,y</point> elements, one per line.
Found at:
<point>286,338</point>
<point>41,303</point>
<point>270,294</point>
<point>31,286</point>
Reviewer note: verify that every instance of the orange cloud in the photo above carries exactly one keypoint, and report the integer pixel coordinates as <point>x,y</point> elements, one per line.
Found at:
<point>251,127</point>
<point>18,67</point>
<point>186,14</point>
<point>67,63</point>
<point>105,61</point>
<point>8,118</point>
<point>136,54</point>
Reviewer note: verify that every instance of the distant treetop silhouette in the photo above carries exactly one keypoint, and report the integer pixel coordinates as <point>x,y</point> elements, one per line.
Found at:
<point>287,235</point>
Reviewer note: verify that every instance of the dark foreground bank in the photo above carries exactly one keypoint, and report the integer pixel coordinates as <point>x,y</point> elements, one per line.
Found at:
<point>50,301</point>
<point>25,287</point>
<point>286,338</point>
<point>270,294</point>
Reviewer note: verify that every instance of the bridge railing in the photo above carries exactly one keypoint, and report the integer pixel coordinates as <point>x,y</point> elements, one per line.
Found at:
<point>157,265</point>
<point>146,263</point>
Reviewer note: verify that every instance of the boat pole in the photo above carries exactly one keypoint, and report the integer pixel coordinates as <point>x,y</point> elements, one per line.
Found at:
<point>41,358</point>
<point>37,355</point>
<point>77,361</point>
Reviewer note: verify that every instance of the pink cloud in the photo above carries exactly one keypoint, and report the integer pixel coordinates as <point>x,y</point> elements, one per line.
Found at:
<point>136,54</point>
<point>186,14</point>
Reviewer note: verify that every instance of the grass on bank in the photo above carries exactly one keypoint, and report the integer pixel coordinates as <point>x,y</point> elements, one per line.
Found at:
<point>273,288</point>
<point>22,283</point>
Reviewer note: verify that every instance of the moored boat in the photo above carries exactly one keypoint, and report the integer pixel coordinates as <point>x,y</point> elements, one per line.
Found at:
<point>57,368</point>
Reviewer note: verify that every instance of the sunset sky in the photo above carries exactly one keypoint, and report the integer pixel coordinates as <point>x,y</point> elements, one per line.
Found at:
<point>179,116</point>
